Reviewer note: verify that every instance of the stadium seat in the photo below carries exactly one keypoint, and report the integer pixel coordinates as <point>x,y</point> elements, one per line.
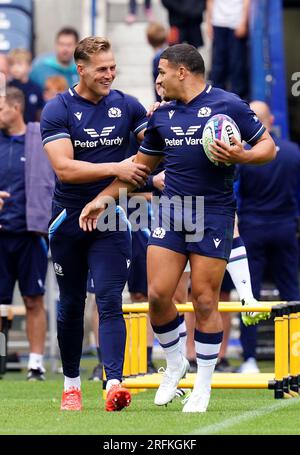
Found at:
<point>16,28</point>
<point>11,39</point>
<point>16,20</point>
<point>25,5</point>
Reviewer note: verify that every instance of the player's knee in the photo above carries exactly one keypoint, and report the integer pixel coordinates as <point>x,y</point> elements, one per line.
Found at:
<point>204,306</point>
<point>157,300</point>
<point>34,303</point>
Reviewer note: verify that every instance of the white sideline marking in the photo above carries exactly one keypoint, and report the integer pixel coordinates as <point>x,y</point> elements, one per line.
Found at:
<point>216,427</point>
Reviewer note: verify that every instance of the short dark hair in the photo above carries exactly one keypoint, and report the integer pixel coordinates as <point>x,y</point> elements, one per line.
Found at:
<point>68,31</point>
<point>187,55</point>
<point>14,95</point>
<point>90,46</point>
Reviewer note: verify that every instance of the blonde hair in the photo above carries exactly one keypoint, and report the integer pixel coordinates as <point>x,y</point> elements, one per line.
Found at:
<point>90,46</point>
<point>16,55</point>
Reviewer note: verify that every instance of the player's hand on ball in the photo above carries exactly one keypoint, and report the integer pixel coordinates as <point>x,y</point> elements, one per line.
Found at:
<point>90,214</point>
<point>231,154</point>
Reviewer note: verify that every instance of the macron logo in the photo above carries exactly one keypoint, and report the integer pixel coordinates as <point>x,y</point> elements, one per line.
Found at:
<point>171,113</point>
<point>78,115</point>
<point>217,242</point>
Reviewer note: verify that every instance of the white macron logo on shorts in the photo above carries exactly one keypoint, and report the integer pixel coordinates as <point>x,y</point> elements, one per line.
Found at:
<point>159,233</point>
<point>217,242</point>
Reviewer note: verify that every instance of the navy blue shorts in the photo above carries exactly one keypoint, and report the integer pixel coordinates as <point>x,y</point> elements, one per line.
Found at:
<point>137,281</point>
<point>216,242</point>
<point>23,258</point>
<point>79,256</point>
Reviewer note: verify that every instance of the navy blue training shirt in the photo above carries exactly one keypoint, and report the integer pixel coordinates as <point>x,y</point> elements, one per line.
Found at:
<point>269,192</point>
<point>99,133</point>
<point>175,131</point>
<point>12,180</point>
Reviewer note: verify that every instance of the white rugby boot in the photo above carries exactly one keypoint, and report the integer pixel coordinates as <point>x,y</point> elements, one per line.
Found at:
<point>168,387</point>
<point>197,401</point>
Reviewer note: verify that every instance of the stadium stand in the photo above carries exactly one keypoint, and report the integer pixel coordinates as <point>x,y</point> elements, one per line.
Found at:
<point>16,24</point>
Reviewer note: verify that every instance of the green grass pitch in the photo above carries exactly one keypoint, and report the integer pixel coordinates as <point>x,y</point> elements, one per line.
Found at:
<point>29,408</point>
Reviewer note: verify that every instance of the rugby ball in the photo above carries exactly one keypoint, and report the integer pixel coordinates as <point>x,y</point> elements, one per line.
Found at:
<point>221,127</point>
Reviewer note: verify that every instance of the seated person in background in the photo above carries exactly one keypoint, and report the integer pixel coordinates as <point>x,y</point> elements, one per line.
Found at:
<point>61,62</point>
<point>19,67</point>
<point>53,86</point>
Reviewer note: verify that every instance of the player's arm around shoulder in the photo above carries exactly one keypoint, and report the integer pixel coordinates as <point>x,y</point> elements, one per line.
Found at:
<point>58,145</point>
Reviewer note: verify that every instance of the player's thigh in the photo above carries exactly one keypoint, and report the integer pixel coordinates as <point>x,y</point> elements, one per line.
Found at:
<point>109,259</point>
<point>164,270</point>
<point>69,251</point>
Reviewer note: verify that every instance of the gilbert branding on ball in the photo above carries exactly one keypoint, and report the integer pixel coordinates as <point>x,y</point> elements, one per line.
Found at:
<point>221,127</point>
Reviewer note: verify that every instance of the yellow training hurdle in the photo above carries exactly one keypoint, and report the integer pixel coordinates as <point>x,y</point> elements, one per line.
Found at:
<point>285,381</point>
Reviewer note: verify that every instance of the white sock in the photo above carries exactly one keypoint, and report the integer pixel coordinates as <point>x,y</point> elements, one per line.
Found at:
<point>72,382</point>
<point>110,383</point>
<point>35,362</point>
<point>207,350</point>
<point>238,268</point>
<point>169,339</point>
<point>183,335</point>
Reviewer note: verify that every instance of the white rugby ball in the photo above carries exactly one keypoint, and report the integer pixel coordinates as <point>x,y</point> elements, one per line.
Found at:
<point>222,127</point>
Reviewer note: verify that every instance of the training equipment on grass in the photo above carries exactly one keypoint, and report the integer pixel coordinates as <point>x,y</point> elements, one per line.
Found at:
<point>285,381</point>
<point>221,127</point>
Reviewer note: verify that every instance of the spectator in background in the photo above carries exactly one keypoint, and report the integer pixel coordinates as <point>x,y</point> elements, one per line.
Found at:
<point>131,17</point>
<point>4,66</point>
<point>227,26</point>
<point>19,67</point>
<point>61,62</point>
<point>157,38</point>
<point>27,175</point>
<point>185,18</point>
<point>53,86</point>
<point>267,210</point>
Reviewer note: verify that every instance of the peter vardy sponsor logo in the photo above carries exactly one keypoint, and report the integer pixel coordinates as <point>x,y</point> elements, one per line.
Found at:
<point>188,136</point>
<point>102,138</point>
